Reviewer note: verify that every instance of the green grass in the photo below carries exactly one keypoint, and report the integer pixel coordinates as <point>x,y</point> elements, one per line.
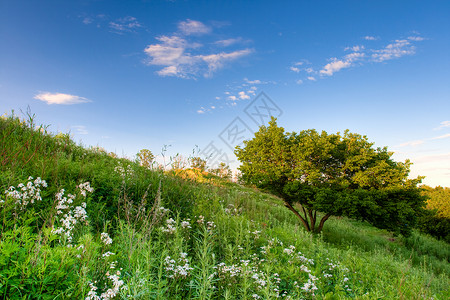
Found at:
<point>216,240</point>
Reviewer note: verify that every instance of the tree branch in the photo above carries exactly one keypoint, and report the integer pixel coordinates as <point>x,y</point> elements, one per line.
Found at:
<point>311,218</point>
<point>291,208</point>
<point>319,229</point>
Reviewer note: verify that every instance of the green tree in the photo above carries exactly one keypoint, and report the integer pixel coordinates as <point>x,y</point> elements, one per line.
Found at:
<point>439,200</point>
<point>198,163</point>
<point>223,170</point>
<point>335,174</point>
<point>145,158</point>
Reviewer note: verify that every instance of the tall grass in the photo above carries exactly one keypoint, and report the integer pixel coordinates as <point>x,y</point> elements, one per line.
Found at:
<point>175,238</point>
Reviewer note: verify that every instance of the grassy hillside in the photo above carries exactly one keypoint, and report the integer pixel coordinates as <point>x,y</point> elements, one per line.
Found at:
<point>89,225</point>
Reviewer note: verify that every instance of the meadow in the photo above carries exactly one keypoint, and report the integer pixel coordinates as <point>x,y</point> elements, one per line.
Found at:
<point>81,223</point>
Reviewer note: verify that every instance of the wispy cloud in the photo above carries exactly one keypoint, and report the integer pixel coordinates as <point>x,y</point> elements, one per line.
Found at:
<point>445,136</point>
<point>229,42</point>
<point>410,144</point>
<point>355,48</point>
<point>370,38</point>
<point>192,27</point>
<point>60,98</point>
<point>393,50</point>
<point>360,55</point>
<point>337,64</point>
<point>204,110</point>
<point>217,61</point>
<point>80,129</point>
<point>126,24</point>
<point>87,20</point>
<point>334,66</point>
<point>256,81</point>
<point>243,95</point>
<point>181,58</point>
<point>443,124</point>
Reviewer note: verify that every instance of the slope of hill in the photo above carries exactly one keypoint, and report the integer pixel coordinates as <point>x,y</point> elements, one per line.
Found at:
<point>80,223</point>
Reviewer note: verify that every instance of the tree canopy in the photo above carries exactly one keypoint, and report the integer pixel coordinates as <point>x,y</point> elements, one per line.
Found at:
<point>335,174</point>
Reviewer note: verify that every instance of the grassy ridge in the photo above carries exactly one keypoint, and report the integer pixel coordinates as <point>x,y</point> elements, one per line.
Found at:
<point>174,238</point>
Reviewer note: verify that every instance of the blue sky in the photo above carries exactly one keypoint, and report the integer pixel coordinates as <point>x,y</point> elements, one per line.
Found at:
<point>128,75</point>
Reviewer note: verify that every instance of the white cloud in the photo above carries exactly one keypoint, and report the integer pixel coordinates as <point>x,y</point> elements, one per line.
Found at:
<point>80,129</point>
<point>60,98</point>
<point>192,27</point>
<point>243,96</point>
<point>299,81</point>
<point>416,38</point>
<point>233,98</point>
<point>411,143</point>
<point>337,64</point>
<point>441,137</point>
<point>311,78</point>
<point>334,66</point>
<point>370,38</point>
<point>444,124</point>
<point>355,48</point>
<point>87,21</point>
<point>396,49</point>
<point>359,55</point>
<point>127,24</point>
<point>203,110</point>
<point>216,61</point>
<point>257,81</point>
<point>217,98</point>
<point>299,63</point>
<point>172,53</point>
<point>228,42</point>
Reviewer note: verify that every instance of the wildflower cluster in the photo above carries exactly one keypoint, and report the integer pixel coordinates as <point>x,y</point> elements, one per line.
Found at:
<point>171,226</point>
<point>186,223</point>
<point>104,236</point>
<point>180,269</point>
<point>336,273</point>
<point>124,172</point>
<point>210,225</point>
<point>251,270</point>
<point>112,276</point>
<point>232,210</point>
<point>25,194</point>
<point>70,215</point>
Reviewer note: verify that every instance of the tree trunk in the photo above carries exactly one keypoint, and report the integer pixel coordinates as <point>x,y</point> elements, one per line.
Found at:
<point>319,229</point>
<point>291,208</point>
<point>311,220</point>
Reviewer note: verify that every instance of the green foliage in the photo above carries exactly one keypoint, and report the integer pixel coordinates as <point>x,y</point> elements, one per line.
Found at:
<point>435,220</point>
<point>439,200</point>
<point>332,173</point>
<point>223,171</point>
<point>145,158</point>
<point>198,163</point>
